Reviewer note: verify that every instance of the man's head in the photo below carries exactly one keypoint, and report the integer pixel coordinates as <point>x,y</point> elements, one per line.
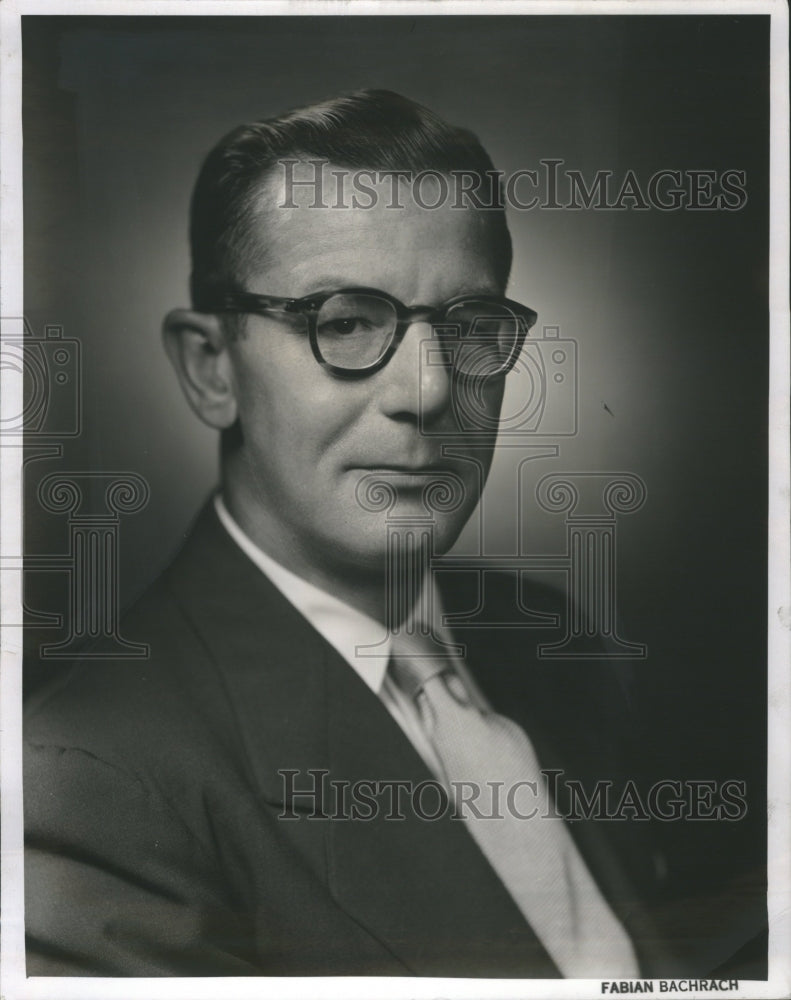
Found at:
<point>305,440</point>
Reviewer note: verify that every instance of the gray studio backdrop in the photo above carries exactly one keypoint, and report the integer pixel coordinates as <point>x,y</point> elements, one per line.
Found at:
<point>668,308</point>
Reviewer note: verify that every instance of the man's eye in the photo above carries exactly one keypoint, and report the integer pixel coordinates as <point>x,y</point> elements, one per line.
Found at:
<point>344,327</point>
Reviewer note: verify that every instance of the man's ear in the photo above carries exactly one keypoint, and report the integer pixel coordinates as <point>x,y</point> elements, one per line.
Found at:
<point>197,346</point>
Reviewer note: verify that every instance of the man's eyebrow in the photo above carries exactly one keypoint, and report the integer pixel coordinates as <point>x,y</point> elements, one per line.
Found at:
<point>330,283</point>
<point>476,290</point>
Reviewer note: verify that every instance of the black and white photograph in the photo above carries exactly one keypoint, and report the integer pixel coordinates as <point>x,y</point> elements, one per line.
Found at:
<point>395,529</point>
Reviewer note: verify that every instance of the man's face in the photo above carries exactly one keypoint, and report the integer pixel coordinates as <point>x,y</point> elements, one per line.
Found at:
<point>309,437</point>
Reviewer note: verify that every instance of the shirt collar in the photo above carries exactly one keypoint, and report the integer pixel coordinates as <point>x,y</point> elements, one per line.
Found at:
<point>346,629</point>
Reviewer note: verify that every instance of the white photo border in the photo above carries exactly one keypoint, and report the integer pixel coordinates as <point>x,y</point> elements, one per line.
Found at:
<point>13,984</point>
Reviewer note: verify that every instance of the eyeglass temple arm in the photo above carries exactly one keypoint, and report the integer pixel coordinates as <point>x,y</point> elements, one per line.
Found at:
<point>250,302</point>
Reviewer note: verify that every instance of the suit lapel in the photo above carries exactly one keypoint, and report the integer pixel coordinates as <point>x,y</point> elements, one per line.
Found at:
<point>269,658</point>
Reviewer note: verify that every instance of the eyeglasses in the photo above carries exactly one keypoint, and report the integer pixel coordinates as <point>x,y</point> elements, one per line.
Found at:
<point>354,332</point>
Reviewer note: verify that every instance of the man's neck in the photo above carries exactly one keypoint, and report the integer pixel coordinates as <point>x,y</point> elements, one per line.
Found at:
<point>362,588</point>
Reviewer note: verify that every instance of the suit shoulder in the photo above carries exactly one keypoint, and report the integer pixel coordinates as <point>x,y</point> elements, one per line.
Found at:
<point>105,703</point>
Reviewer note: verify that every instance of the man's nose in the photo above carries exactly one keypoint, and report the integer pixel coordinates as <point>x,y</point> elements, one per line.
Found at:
<point>417,380</point>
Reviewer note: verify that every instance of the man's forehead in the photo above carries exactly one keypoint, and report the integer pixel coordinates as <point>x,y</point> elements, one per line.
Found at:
<point>324,225</point>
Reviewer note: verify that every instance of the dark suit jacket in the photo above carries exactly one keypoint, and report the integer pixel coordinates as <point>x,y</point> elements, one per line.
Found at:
<point>152,800</point>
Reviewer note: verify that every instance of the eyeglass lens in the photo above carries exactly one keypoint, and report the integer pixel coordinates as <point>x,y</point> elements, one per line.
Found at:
<point>354,331</point>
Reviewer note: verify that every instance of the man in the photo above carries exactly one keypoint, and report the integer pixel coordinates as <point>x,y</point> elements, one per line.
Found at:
<point>231,806</point>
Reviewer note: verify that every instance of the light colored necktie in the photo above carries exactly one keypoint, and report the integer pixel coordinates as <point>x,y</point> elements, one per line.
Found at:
<point>535,858</point>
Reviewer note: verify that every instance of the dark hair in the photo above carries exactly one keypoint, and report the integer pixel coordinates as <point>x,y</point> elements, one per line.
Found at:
<point>368,129</point>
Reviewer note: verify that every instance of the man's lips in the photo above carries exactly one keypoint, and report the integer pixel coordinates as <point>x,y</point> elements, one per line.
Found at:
<point>406,468</point>
<point>388,483</point>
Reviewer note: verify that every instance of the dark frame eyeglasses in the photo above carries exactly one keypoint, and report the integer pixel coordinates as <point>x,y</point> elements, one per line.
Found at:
<point>481,335</point>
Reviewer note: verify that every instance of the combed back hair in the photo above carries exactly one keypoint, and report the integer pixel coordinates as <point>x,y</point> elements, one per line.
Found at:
<point>366,130</point>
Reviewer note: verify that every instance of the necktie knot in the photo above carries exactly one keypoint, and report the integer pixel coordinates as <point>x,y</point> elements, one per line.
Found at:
<point>414,661</point>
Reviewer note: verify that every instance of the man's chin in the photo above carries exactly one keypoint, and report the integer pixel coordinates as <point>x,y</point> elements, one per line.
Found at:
<point>408,539</point>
